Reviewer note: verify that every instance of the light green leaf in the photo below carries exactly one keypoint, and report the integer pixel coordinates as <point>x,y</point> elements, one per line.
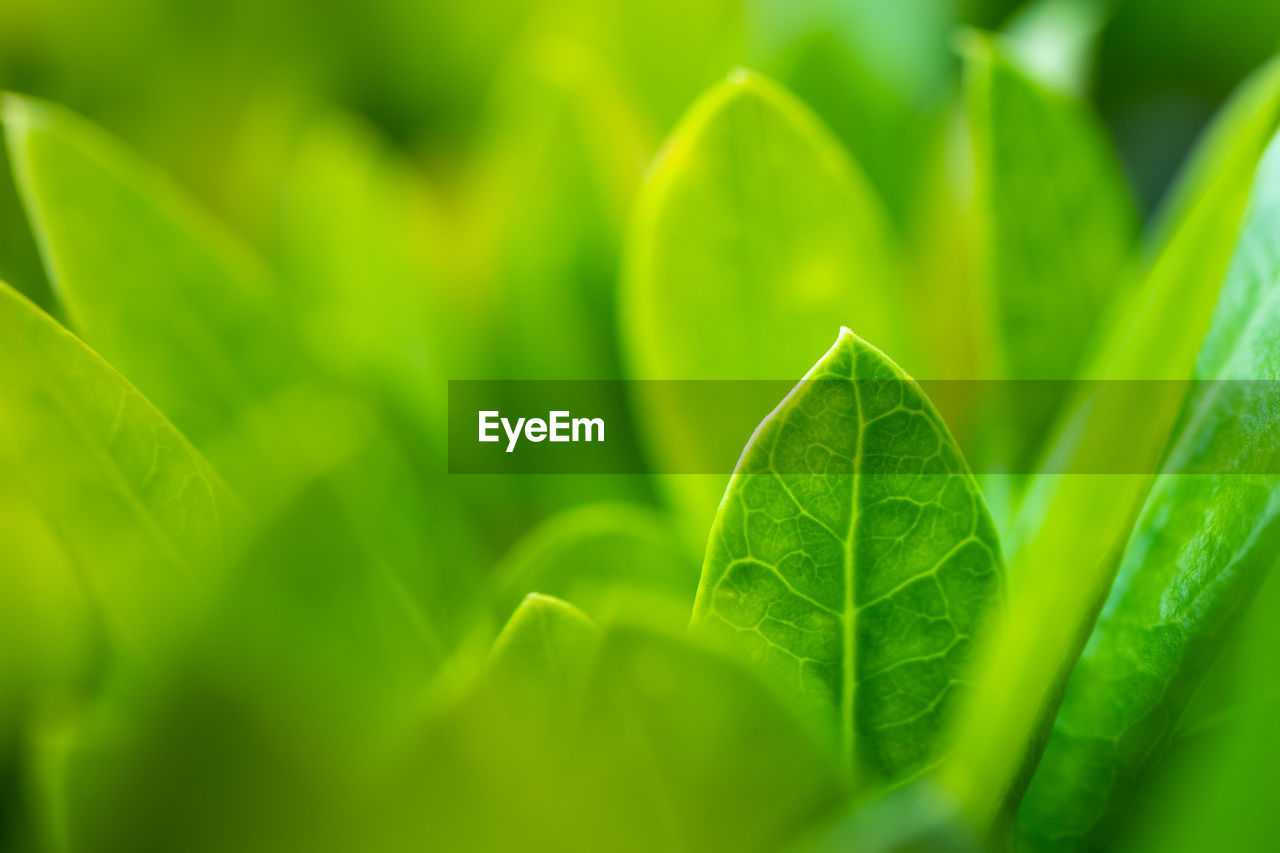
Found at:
<point>663,51</point>
<point>612,560</point>
<point>854,560</point>
<point>667,746</point>
<point>149,282</point>
<point>308,666</point>
<point>1053,568</point>
<point>754,235</point>
<point>1200,548</point>
<point>562,156</point>
<point>196,321</point>
<point>695,752</point>
<point>128,501</point>
<point>361,275</point>
<point>544,649</point>
<point>879,74</point>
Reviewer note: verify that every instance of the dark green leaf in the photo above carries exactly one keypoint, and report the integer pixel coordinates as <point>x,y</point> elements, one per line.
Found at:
<point>854,560</point>
<point>1201,547</point>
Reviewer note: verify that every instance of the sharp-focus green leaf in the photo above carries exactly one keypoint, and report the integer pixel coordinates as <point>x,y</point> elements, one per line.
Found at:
<point>1198,552</point>
<point>1059,577</point>
<point>753,237</point>
<point>131,504</point>
<point>612,560</point>
<point>1057,226</point>
<point>853,558</point>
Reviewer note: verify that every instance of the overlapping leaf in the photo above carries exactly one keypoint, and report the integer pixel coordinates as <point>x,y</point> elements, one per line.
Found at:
<point>754,235</point>
<point>1202,545</point>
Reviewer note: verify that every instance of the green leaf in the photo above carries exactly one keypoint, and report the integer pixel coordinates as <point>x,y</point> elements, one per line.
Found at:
<point>753,236</point>
<point>694,752</point>
<point>196,321</point>
<point>666,746</point>
<point>128,501</point>
<point>360,273</point>
<point>1056,227</point>
<point>19,259</point>
<point>879,74</point>
<point>1156,335</point>
<point>1215,783</point>
<point>854,560</point>
<point>612,560</point>
<point>1201,547</point>
<point>562,158</point>
<point>1059,221</point>
<point>1161,331</point>
<point>309,665</point>
<point>664,51</point>
<point>1058,577</point>
<point>160,291</point>
<point>545,648</point>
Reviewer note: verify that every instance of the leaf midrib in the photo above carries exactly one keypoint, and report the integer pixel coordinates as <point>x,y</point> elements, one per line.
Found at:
<point>850,562</point>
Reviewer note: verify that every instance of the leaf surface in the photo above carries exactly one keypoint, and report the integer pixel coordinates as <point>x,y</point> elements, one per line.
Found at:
<point>754,234</point>
<point>854,560</point>
<point>545,648</point>
<point>127,500</point>
<point>1059,578</point>
<point>1055,228</point>
<point>612,560</point>
<point>1058,219</point>
<point>1201,547</point>
<point>184,310</point>
<point>156,288</point>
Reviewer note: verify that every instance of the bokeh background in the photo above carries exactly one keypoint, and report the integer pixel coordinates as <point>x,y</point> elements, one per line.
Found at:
<point>489,153</point>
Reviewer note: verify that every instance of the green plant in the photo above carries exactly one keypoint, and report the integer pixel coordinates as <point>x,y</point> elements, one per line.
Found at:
<point>244,606</point>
